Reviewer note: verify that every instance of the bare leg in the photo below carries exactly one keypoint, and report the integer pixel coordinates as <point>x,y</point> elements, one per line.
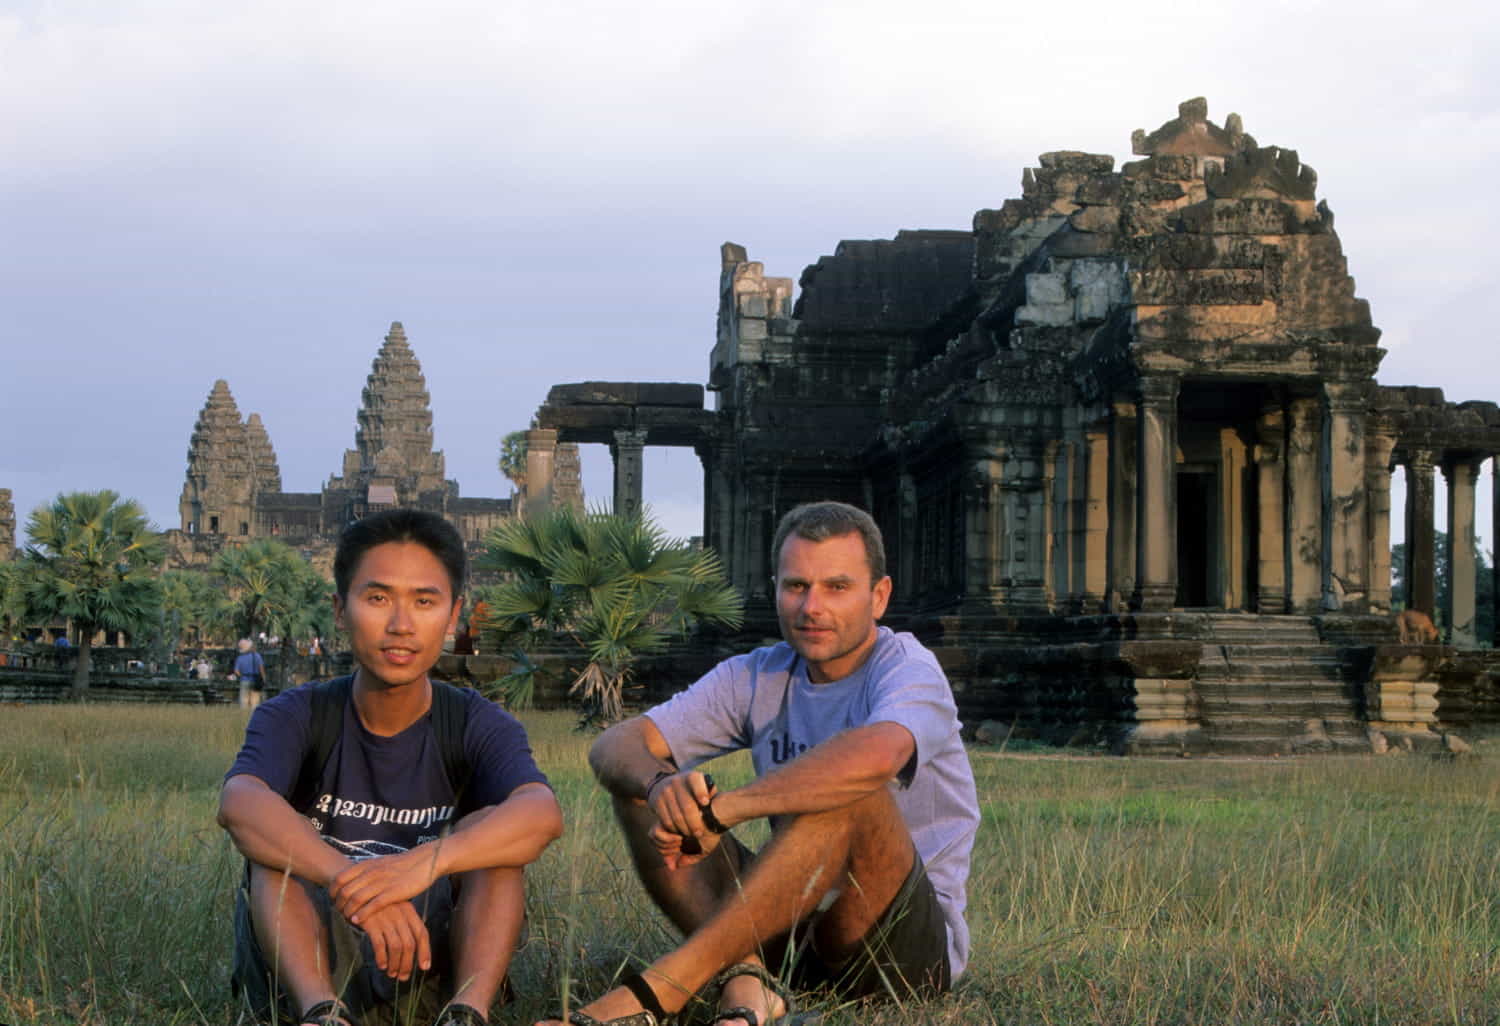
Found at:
<point>289,929</point>
<point>863,848</point>
<point>486,929</point>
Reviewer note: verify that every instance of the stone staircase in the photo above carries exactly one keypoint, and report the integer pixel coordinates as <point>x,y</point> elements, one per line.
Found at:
<point>1268,685</point>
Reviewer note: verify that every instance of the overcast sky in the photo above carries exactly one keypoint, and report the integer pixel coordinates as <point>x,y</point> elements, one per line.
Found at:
<point>191,191</point>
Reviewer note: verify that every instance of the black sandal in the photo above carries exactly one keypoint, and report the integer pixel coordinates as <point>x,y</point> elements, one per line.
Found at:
<point>652,1014</point>
<point>329,1013</point>
<point>769,982</point>
<point>462,1015</point>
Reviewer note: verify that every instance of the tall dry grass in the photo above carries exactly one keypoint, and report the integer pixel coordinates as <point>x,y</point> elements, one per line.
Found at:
<point>1354,890</point>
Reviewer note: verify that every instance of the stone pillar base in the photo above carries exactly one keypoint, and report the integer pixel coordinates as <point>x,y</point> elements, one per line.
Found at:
<point>1163,738</point>
<point>1154,598</point>
<point>1401,693</point>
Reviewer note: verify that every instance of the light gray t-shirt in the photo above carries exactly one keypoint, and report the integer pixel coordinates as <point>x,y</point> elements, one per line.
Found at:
<point>763,701</point>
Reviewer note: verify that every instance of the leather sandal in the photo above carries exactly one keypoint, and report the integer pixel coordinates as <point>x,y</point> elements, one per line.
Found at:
<point>329,1013</point>
<point>769,982</point>
<point>652,1013</point>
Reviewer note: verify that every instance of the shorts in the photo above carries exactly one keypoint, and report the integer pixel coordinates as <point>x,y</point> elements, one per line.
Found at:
<point>361,984</point>
<point>904,955</point>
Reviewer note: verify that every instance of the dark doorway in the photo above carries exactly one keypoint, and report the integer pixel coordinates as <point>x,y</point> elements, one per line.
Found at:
<point>1197,551</point>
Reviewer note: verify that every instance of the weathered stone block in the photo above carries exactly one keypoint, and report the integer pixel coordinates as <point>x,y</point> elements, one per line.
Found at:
<point>1246,216</point>
<point>1054,314</point>
<point>1096,219</point>
<point>1103,189</point>
<point>1215,287</point>
<point>1077,161</point>
<point>754,306</point>
<point>753,329</point>
<point>1042,289</point>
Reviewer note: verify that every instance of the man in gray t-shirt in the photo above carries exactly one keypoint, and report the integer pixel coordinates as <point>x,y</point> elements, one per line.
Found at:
<point>859,767</point>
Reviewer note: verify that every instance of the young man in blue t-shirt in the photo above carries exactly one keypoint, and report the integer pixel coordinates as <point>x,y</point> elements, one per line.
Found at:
<point>382,869</point>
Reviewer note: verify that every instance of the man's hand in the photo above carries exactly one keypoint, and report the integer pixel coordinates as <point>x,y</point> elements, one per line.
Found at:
<point>373,884</point>
<point>678,803</point>
<point>400,940</point>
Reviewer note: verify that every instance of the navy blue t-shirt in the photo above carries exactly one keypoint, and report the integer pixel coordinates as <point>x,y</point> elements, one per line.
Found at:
<point>383,795</point>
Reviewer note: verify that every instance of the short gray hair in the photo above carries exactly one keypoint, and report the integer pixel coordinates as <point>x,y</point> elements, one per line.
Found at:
<point>819,521</point>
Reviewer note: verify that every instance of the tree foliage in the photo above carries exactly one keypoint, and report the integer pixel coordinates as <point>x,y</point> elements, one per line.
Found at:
<point>271,588</point>
<point>92,559</point>
<point>13,618</point>
<point>1484,584</point>
<point>616,586</point>
<point>194,610</point>
<point>513,458</point>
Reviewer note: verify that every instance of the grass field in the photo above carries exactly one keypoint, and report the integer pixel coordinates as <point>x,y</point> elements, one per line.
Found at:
<point>1351,890</point>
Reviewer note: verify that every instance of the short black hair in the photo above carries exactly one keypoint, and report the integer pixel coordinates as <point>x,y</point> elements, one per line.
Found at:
<point>428,530</point>
<point>819,521</point>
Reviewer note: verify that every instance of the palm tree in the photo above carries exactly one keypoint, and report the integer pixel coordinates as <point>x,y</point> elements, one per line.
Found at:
<point>12,600</point>
<point>271,587</point>
<point>92,559</point>
<point>617,586</point>
<point>193,607</point>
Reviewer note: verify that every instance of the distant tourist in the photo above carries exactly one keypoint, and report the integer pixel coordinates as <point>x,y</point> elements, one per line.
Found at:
<point>404,810</point>
<point>250,671</point>
<point>853,734</point>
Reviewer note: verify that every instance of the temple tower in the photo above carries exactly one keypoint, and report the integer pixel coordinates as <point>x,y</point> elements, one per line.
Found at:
<point>229,462</point>
<point>393,462</point>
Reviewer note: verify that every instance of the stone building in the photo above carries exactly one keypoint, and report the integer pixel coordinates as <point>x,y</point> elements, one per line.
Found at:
<point>1124,438</point>
<point>233,487</point>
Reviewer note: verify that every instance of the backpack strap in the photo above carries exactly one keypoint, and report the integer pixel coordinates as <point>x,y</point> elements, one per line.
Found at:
<point>327,722</point>
<point>450,716</point>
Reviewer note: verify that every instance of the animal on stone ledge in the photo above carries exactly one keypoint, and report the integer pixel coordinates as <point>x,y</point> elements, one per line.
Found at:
<point>1416,628</point>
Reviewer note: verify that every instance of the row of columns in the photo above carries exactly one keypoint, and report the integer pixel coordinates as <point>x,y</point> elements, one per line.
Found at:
<point>626,449</point>
<point>1461,473</point>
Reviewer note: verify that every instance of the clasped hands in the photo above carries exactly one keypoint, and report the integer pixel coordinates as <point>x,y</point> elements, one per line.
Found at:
<point>680,835</point>
<point>375,895</point>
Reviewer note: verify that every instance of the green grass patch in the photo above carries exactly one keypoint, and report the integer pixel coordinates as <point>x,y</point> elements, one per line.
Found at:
<point>1338,890</point>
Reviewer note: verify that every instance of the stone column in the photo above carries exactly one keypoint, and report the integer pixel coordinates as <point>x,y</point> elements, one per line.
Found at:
<point>541,451</point>
<point>1304,507</point>
<point>1053,529</point>
<point>1380,441</point>
<point>1270,472</point>
<point>754,509</point>
<point>1421,563</point>
<point>905,561</point>
<point>1232,531</point>
<point>1156,494</point>
<point>1346,571</point>
<point>1123,436</point>
<point>1096,523</point>
<point>986,523</point>
<point>1459,612</point>
<point>626,450</point>
<point>1495,535</point>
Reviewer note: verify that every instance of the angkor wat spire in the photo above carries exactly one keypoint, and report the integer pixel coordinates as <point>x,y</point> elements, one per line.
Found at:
<point>393,433</point>
<point>262,455</point>
<point>228,462</point>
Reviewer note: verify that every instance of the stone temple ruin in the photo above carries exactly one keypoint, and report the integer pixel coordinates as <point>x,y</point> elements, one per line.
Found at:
<point>1126,443</point>
<point>233,488</point>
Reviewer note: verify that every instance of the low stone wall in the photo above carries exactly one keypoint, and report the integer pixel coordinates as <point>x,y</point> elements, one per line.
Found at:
<point>28,685</point>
